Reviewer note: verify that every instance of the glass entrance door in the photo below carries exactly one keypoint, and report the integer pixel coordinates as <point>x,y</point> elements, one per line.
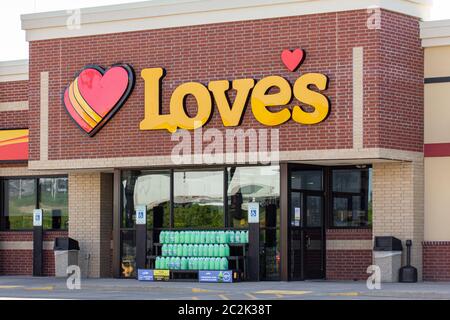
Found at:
<point>306,216</point>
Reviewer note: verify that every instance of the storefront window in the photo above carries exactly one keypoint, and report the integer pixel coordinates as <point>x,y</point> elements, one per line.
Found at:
<point>198,199</point>
<point>20,201</point>
<point>261,185</point>
<point>22,196</point>
<point>53,200</point>
<point>352,197</point>
<point>128,253</point>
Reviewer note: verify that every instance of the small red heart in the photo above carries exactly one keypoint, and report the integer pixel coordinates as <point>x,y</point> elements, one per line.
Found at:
<point>292,59</point>
<point>95,95</point>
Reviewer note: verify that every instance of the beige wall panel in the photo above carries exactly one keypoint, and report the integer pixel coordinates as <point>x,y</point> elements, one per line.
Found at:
<point>437,112</point>
<point>437,62</point>
<point>437,199</point>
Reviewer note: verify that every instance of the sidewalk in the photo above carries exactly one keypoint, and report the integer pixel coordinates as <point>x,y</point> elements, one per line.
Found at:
<point>52,288</point>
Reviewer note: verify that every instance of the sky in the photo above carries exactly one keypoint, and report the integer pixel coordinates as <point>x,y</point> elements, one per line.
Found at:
<point>12,38</point>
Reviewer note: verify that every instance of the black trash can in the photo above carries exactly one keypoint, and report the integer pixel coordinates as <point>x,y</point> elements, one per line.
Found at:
<point>66,254</point>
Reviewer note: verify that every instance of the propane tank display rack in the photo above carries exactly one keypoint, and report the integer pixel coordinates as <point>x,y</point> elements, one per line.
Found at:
<point>197,250</point>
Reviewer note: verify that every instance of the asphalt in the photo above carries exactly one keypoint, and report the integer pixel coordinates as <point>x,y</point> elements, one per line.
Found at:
<point>130,289</point>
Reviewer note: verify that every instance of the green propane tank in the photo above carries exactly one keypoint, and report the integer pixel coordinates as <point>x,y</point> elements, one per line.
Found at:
<point>216,250</point>
<point>190,250</point>
<point>182,237</point>
<point>217,264</point>
<point>158,263</point>
<point>208,237</point>
<point>177,237</point>
<point>197,237</point>
<point>227,251</point>
<point>224,264</point>
<point>202,237</point>
<point>164,250</point>
<point>237,237</point>
<point>185,250</point>
<point>232,238</point>
<point>192,238</point>
<point>216,236</point>
<point>195,264</point>
<point>212,263</point>
<point>222,237</point>
<point>171,237</point>
<point>162,237</point>
<point>195,250</point>
<point>210,250</point>
<point>221,250</point>
<point>168,250</point>
<point>243,236</point>
<point>201,264</point>
<point>184,264</point>
<point>177,263</point>
<point>179,250</point>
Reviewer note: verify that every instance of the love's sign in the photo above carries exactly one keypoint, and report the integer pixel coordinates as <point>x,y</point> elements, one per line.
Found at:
<point>96,94</point>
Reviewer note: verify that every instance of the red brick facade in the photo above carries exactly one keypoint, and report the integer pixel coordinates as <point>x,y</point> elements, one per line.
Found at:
<point>20,262</point>
<point>393,97</point>
<point>348,264</point>
<point>436,261</point>
<point>238,50</point>
<point>14,91</point>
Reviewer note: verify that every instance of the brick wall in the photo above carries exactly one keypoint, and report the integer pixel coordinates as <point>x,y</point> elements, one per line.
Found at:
<point>398,208</point>
<point>90,214</point>
<point>19,261</point>
<point>436,261</point>
<point>346,257</point>
<point>237,50</point>
<point>13,91</point>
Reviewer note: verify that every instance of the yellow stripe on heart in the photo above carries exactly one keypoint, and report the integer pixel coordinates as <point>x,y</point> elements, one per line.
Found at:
<point>83,114</point>
<point>84,104</point>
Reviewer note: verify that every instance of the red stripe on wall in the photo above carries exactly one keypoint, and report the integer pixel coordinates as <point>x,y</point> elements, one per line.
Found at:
<point>437,150</point>
<point>17,151</point>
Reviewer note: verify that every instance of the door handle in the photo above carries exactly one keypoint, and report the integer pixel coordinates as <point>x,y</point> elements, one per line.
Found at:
<point>308,241</point>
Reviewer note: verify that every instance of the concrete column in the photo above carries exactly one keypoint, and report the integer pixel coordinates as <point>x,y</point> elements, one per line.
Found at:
<point>90,220</point>
<point>398,205</point>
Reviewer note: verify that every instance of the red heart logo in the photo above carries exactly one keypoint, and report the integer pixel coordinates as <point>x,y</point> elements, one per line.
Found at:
<point>292,59</point>
<point>96,95</point>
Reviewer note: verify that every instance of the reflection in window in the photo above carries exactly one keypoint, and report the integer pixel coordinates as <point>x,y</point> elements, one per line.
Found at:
<point>352,197</point>
<point>153,191</point>
<point>53,201</point>
<point>198,199</point>
<point>261,185</point>
<point>20,198</point>
<point>306,180</point>
<point>128,253</point>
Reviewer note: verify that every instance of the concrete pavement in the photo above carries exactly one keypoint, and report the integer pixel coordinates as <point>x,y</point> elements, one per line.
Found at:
<point>98,289</point>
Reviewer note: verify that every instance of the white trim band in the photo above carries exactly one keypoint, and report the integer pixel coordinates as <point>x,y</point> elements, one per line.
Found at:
<point>435,33</point>
<point>15,70</point>
<point>177,13</point>
<point>13,106</point>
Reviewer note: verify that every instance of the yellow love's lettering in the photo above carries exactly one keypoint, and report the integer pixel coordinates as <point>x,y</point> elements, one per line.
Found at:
<point>153,119</point>
<point>177,105</point>
<point>231,115</point>
<point>304,94</point>
<point>261,100</point>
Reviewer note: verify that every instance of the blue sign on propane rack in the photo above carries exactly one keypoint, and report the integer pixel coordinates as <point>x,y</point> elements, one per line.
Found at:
<point>216,276</point>
<point>145,275</point>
